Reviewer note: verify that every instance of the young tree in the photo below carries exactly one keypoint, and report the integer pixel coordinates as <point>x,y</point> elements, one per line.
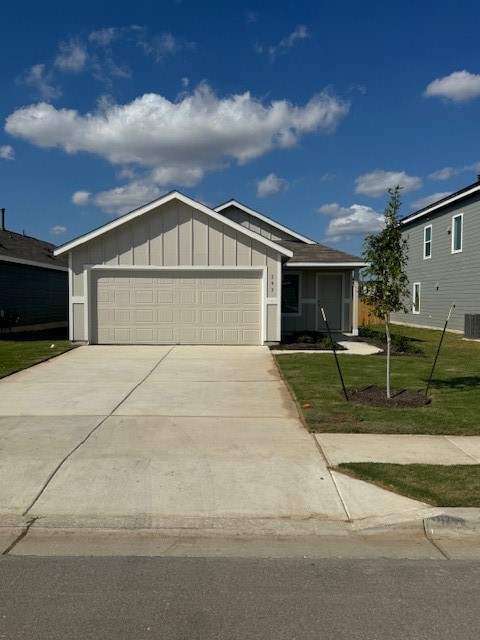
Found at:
<point>386,285</point>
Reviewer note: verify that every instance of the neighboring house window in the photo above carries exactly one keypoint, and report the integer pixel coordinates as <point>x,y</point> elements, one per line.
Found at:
<point>291,293</point>
<point>427,242</point>
<point>416,297</point>
<point>457,233</point>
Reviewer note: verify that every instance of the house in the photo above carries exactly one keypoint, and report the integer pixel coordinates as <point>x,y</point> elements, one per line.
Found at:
<point>444,260</point>
<point>33,283</point>
<point>178,272</point>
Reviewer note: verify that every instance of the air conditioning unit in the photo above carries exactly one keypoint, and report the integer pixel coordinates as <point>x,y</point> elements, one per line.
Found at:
<point>472,326</point>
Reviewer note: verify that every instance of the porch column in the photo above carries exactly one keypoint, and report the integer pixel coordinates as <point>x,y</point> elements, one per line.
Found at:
<point>355,303</point>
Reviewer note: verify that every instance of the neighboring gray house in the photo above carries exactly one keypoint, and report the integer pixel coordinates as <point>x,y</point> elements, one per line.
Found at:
<point>177,272</point>
<point>444,260</point>
<point>33,283</point>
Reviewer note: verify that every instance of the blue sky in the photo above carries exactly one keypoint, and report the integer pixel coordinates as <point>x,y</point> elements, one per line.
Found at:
<point>305,112</point>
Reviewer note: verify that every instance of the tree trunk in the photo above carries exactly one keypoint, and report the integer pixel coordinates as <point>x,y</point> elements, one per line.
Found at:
<point>389,345</point>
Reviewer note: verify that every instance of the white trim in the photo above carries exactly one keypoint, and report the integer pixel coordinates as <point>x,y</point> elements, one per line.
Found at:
<point>338,265</point>
<point>174,195</point>
<point>428,226</point>
<point>78,299</point>
<point>300,300</point>
<point>457,215</point>
<point>445,203</point>
<point>279,300</point>
<point>183,267</point>
<point>265,219</point>
<point>416,310</point>
<point>86,306</point>
<point>355,303</point>
<point>271,300</point>
<point>32,263</point>
<point>88,290</point>
<point>70,297</point>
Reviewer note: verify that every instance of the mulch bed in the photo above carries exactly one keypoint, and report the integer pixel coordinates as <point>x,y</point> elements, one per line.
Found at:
<point>304,346</point>
<point>377,397</point>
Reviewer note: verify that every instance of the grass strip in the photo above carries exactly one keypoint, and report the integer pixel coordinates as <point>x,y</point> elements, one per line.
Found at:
<point>16,355</point>
<point>439,485</point>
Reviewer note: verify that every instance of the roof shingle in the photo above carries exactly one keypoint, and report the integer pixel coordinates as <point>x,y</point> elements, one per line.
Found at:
<point>318,253</point>
<point>15,246</point>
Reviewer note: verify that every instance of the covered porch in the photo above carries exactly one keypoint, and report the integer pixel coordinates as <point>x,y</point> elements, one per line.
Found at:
<point>316,278</point>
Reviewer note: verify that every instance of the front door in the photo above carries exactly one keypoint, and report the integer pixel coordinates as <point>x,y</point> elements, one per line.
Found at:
<point>330,297</point>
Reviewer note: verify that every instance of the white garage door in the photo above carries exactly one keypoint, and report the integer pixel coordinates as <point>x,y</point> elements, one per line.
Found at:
<point>200,307</point>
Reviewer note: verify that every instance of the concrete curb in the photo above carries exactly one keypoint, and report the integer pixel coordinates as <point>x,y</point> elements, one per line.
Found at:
<point>453,522</point>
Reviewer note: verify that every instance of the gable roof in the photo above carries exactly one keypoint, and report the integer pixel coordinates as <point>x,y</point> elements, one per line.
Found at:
<point>15,247</point>
<point>173,195</point>
<point>263,218</point>
<point>311,255</point>
<point>444,202</point>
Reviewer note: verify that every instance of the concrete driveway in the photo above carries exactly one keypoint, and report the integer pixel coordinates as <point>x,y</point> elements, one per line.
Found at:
<point>139,435</point>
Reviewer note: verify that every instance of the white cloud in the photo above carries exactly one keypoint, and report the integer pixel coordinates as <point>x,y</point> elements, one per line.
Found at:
<point>81,198</point>
<point>185,82</point>
<point>104,37</point>
<point>7,152</point>
<point>442,174</point>
<point>299,33</point>
<point>448,172</point>
<point>271,185</point>
<point>72,56</point>
<point>39,78</point>
<point>377,182</point>
<point>162,45</point>
<point>121,199</point>
<point>57,230</point>
<point>434,197</point>
<point>181,140</point>
<point>459,86</point>
<point>347,222</point>
<point>327,177</point>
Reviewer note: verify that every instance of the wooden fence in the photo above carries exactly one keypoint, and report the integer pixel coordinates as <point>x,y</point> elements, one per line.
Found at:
<point>365,316</point>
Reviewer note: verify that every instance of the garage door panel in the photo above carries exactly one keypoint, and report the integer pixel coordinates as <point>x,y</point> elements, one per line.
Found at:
<point>165,315</point>
<point>175,309</point>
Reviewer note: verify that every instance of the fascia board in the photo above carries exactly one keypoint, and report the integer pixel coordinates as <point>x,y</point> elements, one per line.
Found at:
<point>327,264</point>
<point>269,221</point>
<point>32,263</point>
<point>174,195</point>
<point>434,207</point>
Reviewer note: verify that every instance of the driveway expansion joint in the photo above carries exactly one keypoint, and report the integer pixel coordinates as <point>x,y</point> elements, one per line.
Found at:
<point>20,537</point>
<point>65,458</point>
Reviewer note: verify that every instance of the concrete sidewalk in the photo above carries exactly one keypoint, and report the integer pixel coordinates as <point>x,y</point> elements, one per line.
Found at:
<point>399,448</point>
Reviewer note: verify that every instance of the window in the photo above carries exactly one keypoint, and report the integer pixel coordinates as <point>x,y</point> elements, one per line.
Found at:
<point>416,298</point>
<point>427,242</point>
<point>457,233</point>
<point>291,293</point>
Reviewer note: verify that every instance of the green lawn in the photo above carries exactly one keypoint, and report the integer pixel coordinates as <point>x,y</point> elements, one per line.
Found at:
<point>455,390</point>
<point>441,486</point>
<point>16,355</point>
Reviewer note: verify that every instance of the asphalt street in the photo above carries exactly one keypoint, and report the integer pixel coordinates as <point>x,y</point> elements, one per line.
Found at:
<point>116,598</point>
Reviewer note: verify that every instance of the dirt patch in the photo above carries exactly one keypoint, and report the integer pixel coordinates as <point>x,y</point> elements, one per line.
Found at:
<point>377,397</point>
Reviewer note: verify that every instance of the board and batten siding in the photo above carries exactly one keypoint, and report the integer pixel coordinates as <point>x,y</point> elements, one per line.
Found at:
<point>175,234</point>
<point>445,277</point>
<point>254,224</point>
